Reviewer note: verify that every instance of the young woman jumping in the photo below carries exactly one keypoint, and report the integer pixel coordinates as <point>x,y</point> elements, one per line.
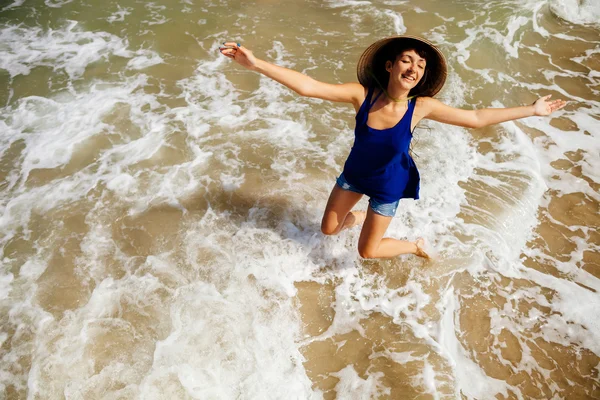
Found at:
<point>398,77</point>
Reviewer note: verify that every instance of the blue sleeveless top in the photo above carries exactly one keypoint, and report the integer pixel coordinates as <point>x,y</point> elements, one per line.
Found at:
<point>379,164</point>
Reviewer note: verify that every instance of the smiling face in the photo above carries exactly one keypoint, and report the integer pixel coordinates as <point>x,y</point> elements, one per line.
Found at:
<point>407,70</point>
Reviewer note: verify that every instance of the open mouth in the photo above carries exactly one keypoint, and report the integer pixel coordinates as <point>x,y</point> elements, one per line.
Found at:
<point>409,78</point>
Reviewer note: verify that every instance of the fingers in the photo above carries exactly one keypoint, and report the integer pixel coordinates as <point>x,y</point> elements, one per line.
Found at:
<point>227,52</point>
<point>553,105</point>
<point>558,104</point>
<point>230,49</point>
<point>233,45</point>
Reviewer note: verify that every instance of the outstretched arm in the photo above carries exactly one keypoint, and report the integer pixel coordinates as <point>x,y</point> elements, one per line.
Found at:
<point>438,111</point>
<point>302,84</point>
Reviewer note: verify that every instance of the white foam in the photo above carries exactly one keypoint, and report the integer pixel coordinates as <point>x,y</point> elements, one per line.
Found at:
<point>156,18</point>
<point>429,380</point>
<point>469,377</point>
<point>346,3</point>
<point>119,16</point>
<point>56,3</point>
<point>221,319</point>
<point>33,268</point>
<point>60,126</point>
<point>6,280</point>
<point>16,3</point>
<point>195,322</point>
<point>402,358</point>
<point>144,59</point>
<point>397,20</point>
<point>353,387</point>
<point>69,49</point>
<point>514,24</point>
<point>583,12</point>
<point>123,184</point>
<point>231,343</point>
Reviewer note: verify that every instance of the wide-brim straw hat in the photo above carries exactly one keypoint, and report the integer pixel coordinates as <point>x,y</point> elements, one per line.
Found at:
<point>370,64</point>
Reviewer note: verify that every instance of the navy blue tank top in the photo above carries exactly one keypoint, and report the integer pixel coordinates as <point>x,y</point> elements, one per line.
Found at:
<point>379,164</point>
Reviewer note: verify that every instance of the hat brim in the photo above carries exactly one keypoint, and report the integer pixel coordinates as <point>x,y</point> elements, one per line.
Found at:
<point>436,68</point>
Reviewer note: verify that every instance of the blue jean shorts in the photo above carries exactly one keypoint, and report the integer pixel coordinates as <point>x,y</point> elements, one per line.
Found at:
<point>385,209</point>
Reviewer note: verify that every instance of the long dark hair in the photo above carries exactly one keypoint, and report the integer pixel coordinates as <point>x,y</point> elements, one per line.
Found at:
<point>390,52</point>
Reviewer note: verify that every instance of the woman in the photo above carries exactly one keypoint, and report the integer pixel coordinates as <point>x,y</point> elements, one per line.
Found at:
<point>398,78</point>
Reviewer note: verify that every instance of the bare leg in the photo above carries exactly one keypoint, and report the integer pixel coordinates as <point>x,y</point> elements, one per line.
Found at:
<point>337,215</point>
<point>353,219</point>
<point>372,244</point>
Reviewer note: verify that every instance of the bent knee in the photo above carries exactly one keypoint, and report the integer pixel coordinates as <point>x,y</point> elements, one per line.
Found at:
<point>329,229</point>
<point>329,225</point>
<point>367,252</point>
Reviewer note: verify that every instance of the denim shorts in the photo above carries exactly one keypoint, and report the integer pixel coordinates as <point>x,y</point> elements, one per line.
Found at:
<point>385,209</point>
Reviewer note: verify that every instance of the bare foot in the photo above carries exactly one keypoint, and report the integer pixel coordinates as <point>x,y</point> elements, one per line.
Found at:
<point>420,252</point>
<point>359,218</point>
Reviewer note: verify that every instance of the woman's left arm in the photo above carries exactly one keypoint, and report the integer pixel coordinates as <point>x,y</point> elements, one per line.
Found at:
<point>438,111</point>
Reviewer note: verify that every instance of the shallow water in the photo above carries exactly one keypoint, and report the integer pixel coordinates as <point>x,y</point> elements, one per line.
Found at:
<point>161,207</point>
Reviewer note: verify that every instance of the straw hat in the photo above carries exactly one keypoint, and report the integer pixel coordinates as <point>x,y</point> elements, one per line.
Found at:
<point>371,64</point>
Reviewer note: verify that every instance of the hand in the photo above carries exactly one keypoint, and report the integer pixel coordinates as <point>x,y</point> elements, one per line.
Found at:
<point>239,54</point>
<point>544,107</point>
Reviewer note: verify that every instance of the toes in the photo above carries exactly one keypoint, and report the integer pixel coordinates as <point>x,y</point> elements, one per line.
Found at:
<point>420,242</point>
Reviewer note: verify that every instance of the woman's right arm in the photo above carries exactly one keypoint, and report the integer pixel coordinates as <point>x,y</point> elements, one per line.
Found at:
<point>304,85</point>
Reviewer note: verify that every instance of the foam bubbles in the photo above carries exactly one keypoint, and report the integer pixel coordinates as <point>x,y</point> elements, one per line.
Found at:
<point>69,49</point>
<point>470,379</point>
<point>399,28</point>
<point>16,3</point>
<point>184,213</point>
<point>56,3</point>
<point>351,386</point>
<point>119,16</point>
<point>144,59</point>
<point>586,12</point>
